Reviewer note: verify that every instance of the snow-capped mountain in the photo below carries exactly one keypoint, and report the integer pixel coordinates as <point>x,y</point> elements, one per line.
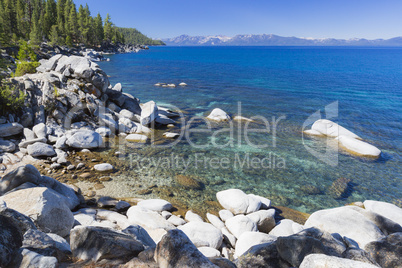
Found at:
<point>275,40</point>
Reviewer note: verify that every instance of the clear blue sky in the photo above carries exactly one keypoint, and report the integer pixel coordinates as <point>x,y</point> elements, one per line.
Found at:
<point>302,18</point>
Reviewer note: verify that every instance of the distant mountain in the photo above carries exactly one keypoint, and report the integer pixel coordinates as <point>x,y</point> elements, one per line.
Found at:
<point>275,40</point>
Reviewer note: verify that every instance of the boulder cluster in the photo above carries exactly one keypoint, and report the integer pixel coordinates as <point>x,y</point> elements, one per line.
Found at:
<point>45,223</point>
<point>70,105</point>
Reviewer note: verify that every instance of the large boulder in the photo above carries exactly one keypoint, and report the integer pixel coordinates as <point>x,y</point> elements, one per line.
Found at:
<point>48,209</point>
<point>203,234</point>
<point>29,174</point>
<point>322,260</point>
<point>40,149</point>
<point>85,139</point>
<point>10,240</point>
<point>10,129</point>
<point>218,115</point>
<point>286,227</point>
<point>265,219</point>
<point>240,224</point>
<point>97,243</point>
<point>155,205</point>
<point>347,222</point>
<point>149,111</point>
<point>6,146</point>
<point>294,248</point>
<point>237,202</point>
<point>387,251</point>
<point>176,250</point>
<point>328,128</point>
<point>249,239</point>
<point>40,130</point>
<point>147,218</point>
<point>262,255</point>
<point>36,260</point>
<point>385,209</point>
<point>141,235</point>
<point>358,147</point>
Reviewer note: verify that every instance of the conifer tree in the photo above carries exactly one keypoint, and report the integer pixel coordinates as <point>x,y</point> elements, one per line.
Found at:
<point>107,29</point>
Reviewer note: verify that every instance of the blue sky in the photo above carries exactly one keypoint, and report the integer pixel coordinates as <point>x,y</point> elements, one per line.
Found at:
<point>302,18</point>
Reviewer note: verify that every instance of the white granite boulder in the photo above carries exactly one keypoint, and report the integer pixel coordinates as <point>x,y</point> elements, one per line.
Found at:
<point>265,219</point>
<point>40,130</point>
<point>149,111</point>
<point>286,227</point>
<point>240,224</point>
<point>215,221</point>
<point>191,216</point>
<point>48,209</point>
<point>85,139</point>
<point>104,167</point>
<point>209,252</point>
<point>155,205</point>
<point>136,138</point>
<point>328,128</point>
<point>385,209</point>
<point>237,202</point>
<point>40,149</point>
<point>104,131</point>
<point>347,222</point>
<point>203,234</point>
<point>218,114</point>
<point>358,147</point>
<point>225,214</point>
<point>249,239</point>
<point>147,218</point>
<point>322,260</point>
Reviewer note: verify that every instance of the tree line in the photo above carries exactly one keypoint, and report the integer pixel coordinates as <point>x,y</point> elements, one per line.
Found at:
<point>59,23</point>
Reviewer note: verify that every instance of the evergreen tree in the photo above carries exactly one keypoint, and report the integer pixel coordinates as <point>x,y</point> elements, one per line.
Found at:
<point>54,36</point>
<point>72,22</point>
<point>22,19</point>
<point>107,29</point>
<point>49,19</point>
<point>60,19</point>
<point>98,29</point>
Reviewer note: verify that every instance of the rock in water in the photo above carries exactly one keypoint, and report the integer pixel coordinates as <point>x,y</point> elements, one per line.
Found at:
<point>104,167</point>
<point>340,188</point>
<point>149,112</point>
<point>48,209</point>
<point>331,129</point>
<point>40,149</point>
<point>97,243</point>
<point>189,182</point>
<point>10,129</point>
<point>85,139</point>
<point>218,115</point>
<point>176,250</point>
<point>358,147</point>
<point>203,234</point>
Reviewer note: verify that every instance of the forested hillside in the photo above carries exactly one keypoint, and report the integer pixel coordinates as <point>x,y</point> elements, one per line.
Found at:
<point>60,23</point>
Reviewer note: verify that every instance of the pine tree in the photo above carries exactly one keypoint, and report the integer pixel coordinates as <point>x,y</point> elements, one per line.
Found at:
<point>49,19</point>
<point>98,29</point>
<point>107,29</point>
<point>72,22</point>
<point>54,36</point>
<point>60,19</point>
<point>22,19</point>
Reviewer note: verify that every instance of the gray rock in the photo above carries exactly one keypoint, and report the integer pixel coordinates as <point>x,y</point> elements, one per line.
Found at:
<point>358,254</point>
<point>104,131</point>
<point>85,139</point>
<point>141,235</point>
<point>203,234</point>
<point>107,120</point>
<point>10,240</point>
<point>385,209</point>
<point>24,144</point>
<point>240,224</point>
<point>49,65</point>
<point>294,248</point>
<point>6,146</point>
<point>97,243</point>
<point>29,134</point>
<point>118,87</point>
<point>322,260</point>
<point>132,104</point>
<point>48,209</point>
<point>387,251</point>
<point>40,149</point>
<point>262,255</point>
<point>155,204</point>
<point>31,259</point>
<point>122,205</point>
<point>10,129</point>
<point>176,250</point>
<point>40,130</point>
<point>127,114</point>
<point>164,120</point>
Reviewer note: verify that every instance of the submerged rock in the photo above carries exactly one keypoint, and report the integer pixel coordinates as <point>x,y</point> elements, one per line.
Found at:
<point>137,138</point>
<point>104,167</point>
<point>218,115</point>
<point>189,182</point>
<point>340,188</point>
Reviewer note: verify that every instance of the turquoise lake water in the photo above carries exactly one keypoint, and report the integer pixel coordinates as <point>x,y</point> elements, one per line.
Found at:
<point>292,82</point>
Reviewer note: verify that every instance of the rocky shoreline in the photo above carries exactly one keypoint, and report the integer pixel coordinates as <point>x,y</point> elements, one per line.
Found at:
<point>72,113</point>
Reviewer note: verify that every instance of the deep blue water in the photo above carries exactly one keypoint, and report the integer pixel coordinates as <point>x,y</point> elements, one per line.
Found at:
<point>273,81</point>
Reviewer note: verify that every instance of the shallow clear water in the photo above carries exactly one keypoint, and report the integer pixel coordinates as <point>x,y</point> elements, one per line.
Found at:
<point>271,82</point>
